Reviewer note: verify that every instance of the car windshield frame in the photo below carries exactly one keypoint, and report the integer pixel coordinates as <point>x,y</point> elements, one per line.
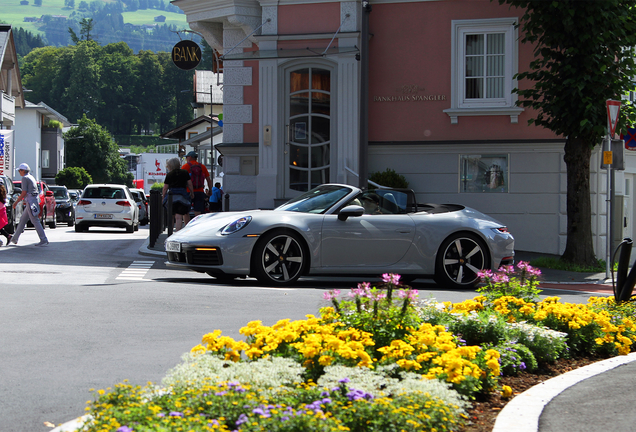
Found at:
<point>317,200</point>
<point>56,190</point>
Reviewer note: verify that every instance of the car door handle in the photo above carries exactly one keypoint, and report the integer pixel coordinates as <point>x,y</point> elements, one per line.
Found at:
<point>403,231</point>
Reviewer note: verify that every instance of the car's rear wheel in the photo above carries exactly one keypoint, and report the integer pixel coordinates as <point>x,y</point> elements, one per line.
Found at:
<point>80,228</point>
<point>459,260</point>
<point>130,228</point>
<point>279,258</point>
<point>53,224</point>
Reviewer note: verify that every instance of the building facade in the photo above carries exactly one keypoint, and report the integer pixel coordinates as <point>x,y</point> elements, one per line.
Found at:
<point>441,111</point>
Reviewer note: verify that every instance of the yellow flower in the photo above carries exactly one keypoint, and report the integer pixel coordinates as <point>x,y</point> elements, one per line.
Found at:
<point>506,392</point>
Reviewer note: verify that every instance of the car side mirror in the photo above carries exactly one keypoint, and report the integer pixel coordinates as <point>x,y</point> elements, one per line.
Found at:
<point>49,193</point>
<point>17,190</point>
<point>350,211</point>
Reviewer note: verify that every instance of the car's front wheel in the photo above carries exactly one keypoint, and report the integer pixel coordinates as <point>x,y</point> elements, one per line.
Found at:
<point>459,260</point>
<point>279,258</point>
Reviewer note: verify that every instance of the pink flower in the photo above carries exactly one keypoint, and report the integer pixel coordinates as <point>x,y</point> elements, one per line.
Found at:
<point>391,278</point>
<point>410,294</point>
<point>331,294</point>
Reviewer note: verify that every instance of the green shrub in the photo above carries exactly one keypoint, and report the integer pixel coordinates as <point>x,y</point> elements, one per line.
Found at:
<point>389,178</point>
<point>515,359</point>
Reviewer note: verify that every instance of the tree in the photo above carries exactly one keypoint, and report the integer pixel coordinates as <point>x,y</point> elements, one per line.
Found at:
<point>93,149</point>
<point>86,27</point>
<point>583,56</point>
<point>73,178</point>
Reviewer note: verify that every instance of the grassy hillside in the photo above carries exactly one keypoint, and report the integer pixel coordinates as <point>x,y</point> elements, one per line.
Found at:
<point>13,13</point>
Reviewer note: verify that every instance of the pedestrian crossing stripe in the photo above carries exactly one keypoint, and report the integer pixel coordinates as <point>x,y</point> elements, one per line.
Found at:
<point>135,271</point>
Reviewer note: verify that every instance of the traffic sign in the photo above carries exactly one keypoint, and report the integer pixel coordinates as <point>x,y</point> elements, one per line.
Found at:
<point>613,109</point>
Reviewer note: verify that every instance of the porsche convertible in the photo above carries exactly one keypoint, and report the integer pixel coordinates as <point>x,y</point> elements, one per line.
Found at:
<point>337,229</point>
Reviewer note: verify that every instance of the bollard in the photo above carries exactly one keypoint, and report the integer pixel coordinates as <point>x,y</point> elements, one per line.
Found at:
<point>226,202</point>
<point>170,216</point>
<point>625,282</point>
<point>156,221</point>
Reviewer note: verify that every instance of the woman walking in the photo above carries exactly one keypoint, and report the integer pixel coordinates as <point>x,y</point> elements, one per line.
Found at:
<point>179,185</point>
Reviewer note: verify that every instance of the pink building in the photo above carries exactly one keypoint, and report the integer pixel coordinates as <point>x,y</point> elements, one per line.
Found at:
<point>441,111</point>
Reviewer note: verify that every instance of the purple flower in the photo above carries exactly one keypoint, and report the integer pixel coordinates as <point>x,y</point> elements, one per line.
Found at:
<point>326,401</point>
<point>325,393</point>
<point>522,366</point>
<point>176,414</point>
<point>124,429</point>
<point>213,422</point>
<point>221,393</point>
<point>242,419</point>
<point>161,415</point>
<point>344,380</point>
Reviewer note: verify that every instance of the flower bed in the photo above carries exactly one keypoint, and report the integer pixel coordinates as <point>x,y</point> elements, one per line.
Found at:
<point>376,359</point>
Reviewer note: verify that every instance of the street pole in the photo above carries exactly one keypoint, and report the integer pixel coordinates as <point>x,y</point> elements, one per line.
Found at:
<point>363,169</point>
<point>608,211</point>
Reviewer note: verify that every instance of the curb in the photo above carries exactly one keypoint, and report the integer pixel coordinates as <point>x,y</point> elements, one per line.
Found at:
<point>146,251</point>
<point>522,413</point>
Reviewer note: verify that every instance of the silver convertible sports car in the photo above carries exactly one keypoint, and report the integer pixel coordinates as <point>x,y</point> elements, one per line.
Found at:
<point>342,230</point>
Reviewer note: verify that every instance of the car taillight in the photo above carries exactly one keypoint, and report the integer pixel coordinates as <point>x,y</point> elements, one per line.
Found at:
<point>502,229</point>
<point>123,203</point>
<point>84,202</point>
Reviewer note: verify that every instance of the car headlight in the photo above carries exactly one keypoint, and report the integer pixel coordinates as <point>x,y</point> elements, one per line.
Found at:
<point>235,226</point>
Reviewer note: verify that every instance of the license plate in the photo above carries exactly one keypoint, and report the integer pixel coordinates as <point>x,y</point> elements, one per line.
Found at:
<point>103,216</point>
<point>173,247</point>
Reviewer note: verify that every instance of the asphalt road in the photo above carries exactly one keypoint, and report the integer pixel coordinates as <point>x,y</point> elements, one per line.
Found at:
<point>89,311</point>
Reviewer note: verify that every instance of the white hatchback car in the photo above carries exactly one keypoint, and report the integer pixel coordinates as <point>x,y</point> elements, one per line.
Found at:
<point>106,205</point>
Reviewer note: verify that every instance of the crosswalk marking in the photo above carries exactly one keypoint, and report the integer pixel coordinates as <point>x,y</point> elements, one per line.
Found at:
<point>136,271</point>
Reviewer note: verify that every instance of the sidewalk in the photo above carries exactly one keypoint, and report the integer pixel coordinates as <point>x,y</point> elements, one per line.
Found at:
<point>592,398</point>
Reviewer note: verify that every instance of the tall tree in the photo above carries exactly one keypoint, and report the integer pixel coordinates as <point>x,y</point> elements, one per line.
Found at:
<point>81,94</point>
<point>91,147</point>
<point>583,56</point>
<point>148,87</point>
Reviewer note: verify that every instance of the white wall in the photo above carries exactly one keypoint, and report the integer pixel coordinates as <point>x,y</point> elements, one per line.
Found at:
<point>28,136</point>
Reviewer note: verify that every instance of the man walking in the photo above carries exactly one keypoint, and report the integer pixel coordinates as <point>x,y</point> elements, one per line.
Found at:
<point>32,210</point>
<point>199,175</point>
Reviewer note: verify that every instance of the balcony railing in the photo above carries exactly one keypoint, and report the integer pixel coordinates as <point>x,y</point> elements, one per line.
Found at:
<point>7,107</point>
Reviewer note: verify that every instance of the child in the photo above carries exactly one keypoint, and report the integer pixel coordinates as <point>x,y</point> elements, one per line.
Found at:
<point>4,220</point>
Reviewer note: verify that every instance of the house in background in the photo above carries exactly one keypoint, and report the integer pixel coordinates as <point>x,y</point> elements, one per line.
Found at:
<point>11,96</point>
<point>38,134</point>
<point>440,109</point>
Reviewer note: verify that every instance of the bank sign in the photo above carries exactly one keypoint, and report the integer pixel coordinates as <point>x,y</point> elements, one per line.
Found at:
<point>6,153</point>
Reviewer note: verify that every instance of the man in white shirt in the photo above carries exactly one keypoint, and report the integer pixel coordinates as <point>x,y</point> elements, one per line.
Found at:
<point>32,210</point>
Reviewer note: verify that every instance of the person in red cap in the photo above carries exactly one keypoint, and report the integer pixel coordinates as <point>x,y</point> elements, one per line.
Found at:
<point>200,176</point>
<point>32,211</point>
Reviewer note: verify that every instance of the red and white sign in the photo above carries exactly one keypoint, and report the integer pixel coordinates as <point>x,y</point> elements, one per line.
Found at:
<point>613,109</point>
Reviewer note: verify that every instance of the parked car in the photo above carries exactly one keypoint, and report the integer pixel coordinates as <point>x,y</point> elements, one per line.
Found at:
<point>75,196</point>
<point>142,203</point>
<point>47,204</point>
<point>107,205</point>
<point>13,215</point>
<point>326,231</point>
<point>63,205</point>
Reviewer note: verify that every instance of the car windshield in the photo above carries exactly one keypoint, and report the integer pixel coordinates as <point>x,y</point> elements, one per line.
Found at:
<point>60,193</point>
<point>317,200</point>
<point>104,192</point>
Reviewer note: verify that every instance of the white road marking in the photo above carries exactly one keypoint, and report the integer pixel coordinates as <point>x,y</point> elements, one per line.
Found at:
<point>136,271</point>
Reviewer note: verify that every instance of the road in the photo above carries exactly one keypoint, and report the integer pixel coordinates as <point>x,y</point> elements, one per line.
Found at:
<point>89,311</point>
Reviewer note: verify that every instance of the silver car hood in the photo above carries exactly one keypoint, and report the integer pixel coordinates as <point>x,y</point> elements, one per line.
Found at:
<point>208,225</point>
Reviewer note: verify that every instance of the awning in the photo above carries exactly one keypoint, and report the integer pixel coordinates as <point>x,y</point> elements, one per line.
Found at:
<point>290,53</point>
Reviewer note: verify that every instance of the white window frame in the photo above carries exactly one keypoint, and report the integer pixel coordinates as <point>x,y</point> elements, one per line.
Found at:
<point>460,106</point>
<point>45,159</point>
